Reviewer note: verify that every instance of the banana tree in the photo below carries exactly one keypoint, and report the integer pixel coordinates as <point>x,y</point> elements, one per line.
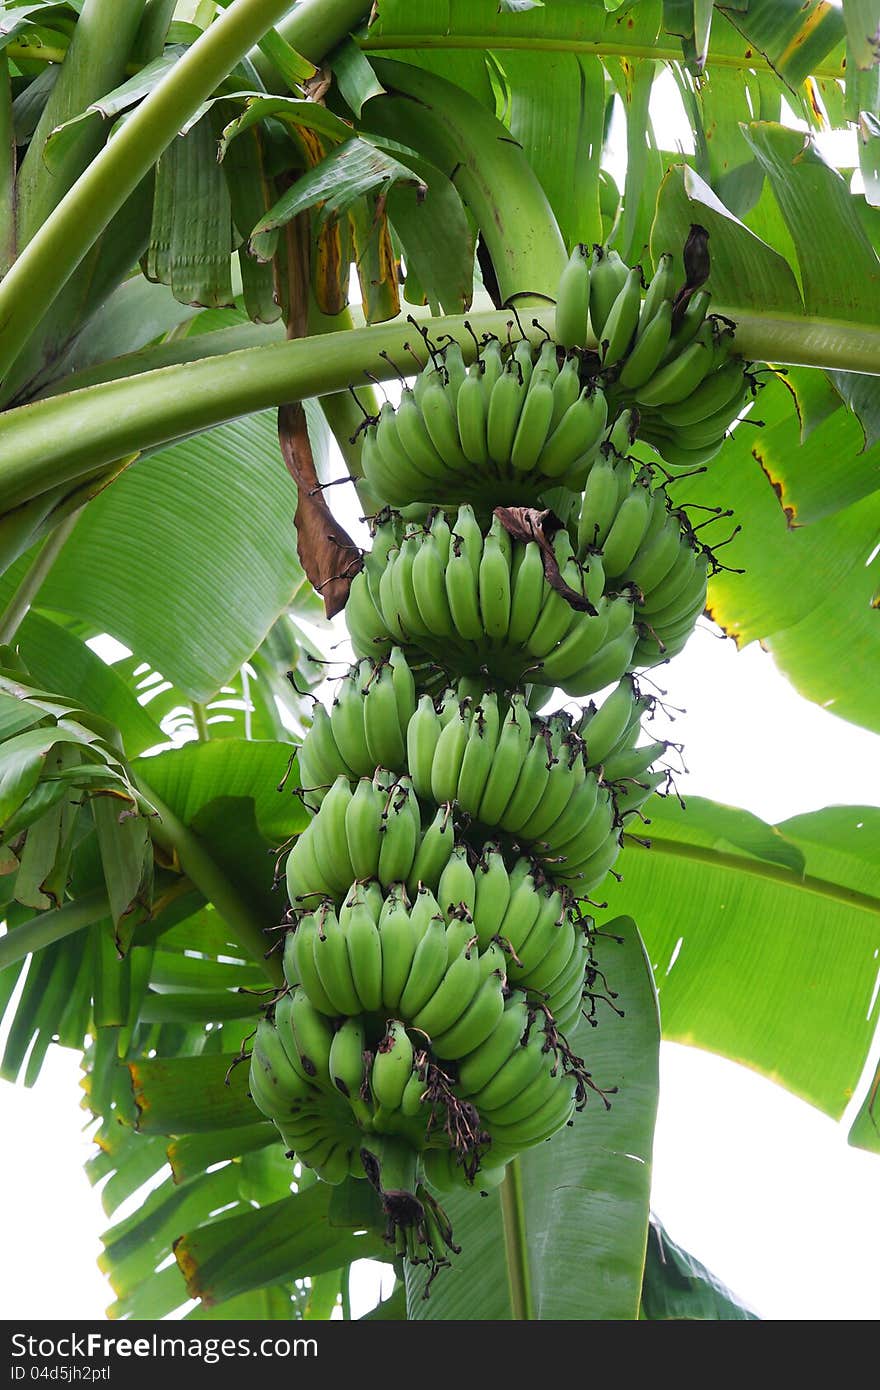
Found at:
<point>223,226</point>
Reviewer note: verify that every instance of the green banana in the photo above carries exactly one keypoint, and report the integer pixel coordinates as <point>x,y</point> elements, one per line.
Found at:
<point>493,583</point>
<point>313,1036</point>
<point>471,411</point>
<point>346,1061</point>
<point>513,742</point>
<point>363,822</point>
<point>491,895</point>
<point>361,931</point>
<point>299,963</point>
<point>422,735</point>
<point>427,970</point>
<point>476,764</point>
<point>573,300</point>
<point>578,433</point>
<point>475,1023</point>
<point>478,1067</point>
<point>398,940</point>
<point>330,951</point>
<point>433,852</point>
<point>620,326</point>
<point>607,277</point>
<point>392,1066</point>
<point>527,589</point>
<point>648,350</point>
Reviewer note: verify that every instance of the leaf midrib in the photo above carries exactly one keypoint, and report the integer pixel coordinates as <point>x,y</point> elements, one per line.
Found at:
<point>658,51</point>
<point>757,868</point>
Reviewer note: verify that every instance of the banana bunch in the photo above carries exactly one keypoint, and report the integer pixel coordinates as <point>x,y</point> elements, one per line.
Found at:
<point>484,605</point>
<point>526,778</point>
<point>609,732</point>
<point>441,959</point>
<point>520,1084</point>
<point>372,832</point>
<point>502,431</point>
<point>357,1097</point>
<point>675,367</point>
<point>333,1101</point>
<point>365,727</point>
<point>648,547</point>
<point>378,955</point>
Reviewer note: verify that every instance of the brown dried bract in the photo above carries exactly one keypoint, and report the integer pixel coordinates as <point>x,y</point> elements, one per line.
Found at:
<point>696,270</point>
<point>529,524</point>
<point>327,553</point>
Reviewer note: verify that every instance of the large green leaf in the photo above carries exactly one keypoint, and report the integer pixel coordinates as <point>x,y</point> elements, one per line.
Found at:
<point>585,1192</point>
<point>188,1095</point>
<point>58,660</point>
<point>288,1240</point>
<point>823,466</point>
<point>755,958</point>
<point>806,593</point>
<point>556,110</point>
<point>840,271</point>
<point>210,521</point>
<point>678,1287</point>
<point>745,272</point>
<point>190,778</point>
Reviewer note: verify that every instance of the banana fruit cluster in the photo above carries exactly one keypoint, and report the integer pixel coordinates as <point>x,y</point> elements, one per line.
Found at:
<point>373,832</point>
<point>666,356</point>
<point>485,604</point>
<point>437,956</point>
<point>513,424</point>
<point>441,960</point>
<point>539,782</point>
<point>398,1042</point>
<point>646,547</point>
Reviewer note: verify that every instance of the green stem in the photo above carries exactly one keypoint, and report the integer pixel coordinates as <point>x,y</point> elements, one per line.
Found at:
<point>62,439</point>
<point>757,868</point>
<point>65,438</point>
<point>200,719</point>
<point>197,863</point>
<point>312,29</point>
<point>57,248</point>
<point>52,926</point>
<point>94,65</point>
<point>19,605</point>
<point>514,1219</point>
<point>35,53</point>
<point>805,340</point>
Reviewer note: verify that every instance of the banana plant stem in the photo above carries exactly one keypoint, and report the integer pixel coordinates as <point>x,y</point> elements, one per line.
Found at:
<point>64,438</point>
<point>514,1220</point>
<point>57,248</point>
<point>200,719</point>
<point>19,605</point>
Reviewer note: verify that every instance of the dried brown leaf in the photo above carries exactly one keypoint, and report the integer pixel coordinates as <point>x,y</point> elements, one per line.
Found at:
<point>529,524</point>
<point>327,553</point>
